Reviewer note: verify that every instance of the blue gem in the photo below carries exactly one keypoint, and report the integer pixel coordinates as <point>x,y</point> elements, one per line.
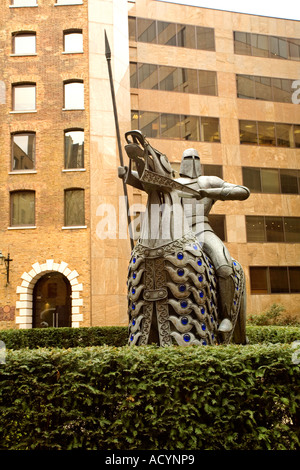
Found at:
<point>184,320</point>
<point>133,290</point>
<point>237,288</point>
<point>180,272</point>
<point>234,263</point>
<point>234,302</point>
<point>187,338</point>
<point>212,336</point>
<point>131,338</point>
<point>212,319</point>
<point>200,278</point>
<point>199,262</point>
<point>203,311</point>
<point>183,304</point>
<point>134,275</point>
<point>204,343</point>
<point>180,255</point>
<point>203,326</point>
<point>195,247</point>
<point>134,260</point>
<point>133,306</point>
<point>133,322</point>
<point>201,293</point>
<point>182,288</point>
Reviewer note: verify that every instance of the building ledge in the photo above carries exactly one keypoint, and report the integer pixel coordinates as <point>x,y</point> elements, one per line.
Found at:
<point>24,227</point>
<point>24,55</point>
<point>72,170</point>
<point>74,227</point>
<point>22,172</point>
<point>23,112</point>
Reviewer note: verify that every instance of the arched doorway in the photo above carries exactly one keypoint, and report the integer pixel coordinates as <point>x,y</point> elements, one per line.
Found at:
<point>52,301</point>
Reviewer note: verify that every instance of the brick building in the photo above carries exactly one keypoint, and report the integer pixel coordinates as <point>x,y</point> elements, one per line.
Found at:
<point>224,83</point>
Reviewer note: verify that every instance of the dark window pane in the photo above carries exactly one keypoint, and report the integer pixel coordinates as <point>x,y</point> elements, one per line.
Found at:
<point>74,149</point>
<point>292,229</point>
<point>255,229</point>
<point>284,134</point>
<point>270,181</point>
<point>188,80</point>
<point>74,207</point>
<point>217,223</point>
<point>190,128</point>
<point>278,48</point>
<point>186,36</point>
<point>263,88</point>
<point>170,126</point>
<point>245,86</point>
<point>146,30</point>
<point>166,33</point>
<point>294,275</point>
<point>210,129</point>
<point>260,45</point>
<point>279,280</point>
<point>248,132</point>
<point>213,170</point>
<point>207,83</point>
<point>205,38</point>
<point>297,135</point>
<point>132,28</point>
<point>251,179</point>
<point>289,181</point>
<point>133,75</point>
<point>274,229</point>
<point>22,208</point>
<point>147,76</point>
<point>168,78</point>
<point>258,280</point>
<point>294,49</point>
<point>282,90</point>
<point>266,133</point>
<point>23,151</point>
<point>242,43</point>
<point>149,123</point>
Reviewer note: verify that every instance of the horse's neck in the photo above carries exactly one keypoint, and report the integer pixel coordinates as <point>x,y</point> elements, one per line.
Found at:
<point>164,220</point>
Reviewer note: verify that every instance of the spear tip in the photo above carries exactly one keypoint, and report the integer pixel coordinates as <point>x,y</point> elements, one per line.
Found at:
<point>107,48</point>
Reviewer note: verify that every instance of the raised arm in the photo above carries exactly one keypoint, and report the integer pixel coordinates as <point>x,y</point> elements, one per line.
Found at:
<point>226,192</point>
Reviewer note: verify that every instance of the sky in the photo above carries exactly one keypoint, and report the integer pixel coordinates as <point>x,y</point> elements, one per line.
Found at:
<point>288,9</point>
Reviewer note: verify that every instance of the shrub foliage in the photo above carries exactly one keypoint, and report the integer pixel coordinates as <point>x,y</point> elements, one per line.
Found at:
<point>206,398</point>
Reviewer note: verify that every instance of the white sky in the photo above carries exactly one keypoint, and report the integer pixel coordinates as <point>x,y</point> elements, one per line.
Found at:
<point>288,9</point>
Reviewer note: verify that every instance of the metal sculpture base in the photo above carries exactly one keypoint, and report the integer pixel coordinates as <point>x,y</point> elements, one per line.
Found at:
<point>172,295</point>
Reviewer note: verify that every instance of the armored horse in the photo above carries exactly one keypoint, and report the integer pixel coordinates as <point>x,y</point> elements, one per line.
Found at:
<point>173,292</point>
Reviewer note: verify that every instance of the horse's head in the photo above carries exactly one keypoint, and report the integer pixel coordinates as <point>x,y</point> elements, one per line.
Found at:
<point>145,156</point>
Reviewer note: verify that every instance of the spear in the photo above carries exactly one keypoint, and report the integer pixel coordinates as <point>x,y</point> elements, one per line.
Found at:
<point>108,58</point>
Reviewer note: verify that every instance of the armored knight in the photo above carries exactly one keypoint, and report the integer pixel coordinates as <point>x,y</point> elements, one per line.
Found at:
<point>211,189</point>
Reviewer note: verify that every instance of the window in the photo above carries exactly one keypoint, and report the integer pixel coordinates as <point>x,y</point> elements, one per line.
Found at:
<point>23,43</point>
<point>22,208</point>
<point>24,97</point>
<point>262,229</point>
<point>261,45</point>
<point>68,2</point>
<point>171,34</point>
<point>74,95</point>
<point>74,149</point>
<point>147,76</point>
<point>23,151</point>
<point>269,133</point>
<point>264,88</point>
<point>217,223</point>
<point>73,41</point>
<point>74,208</point>
<point>176,126</point>
<point>272,180</point>
<point>23,3</point>
<point>273,280</point>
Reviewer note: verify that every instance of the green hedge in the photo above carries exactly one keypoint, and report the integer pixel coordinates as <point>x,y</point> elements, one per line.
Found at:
<point>64,337</point>
<point>205,398</point>
<point>117,336</point>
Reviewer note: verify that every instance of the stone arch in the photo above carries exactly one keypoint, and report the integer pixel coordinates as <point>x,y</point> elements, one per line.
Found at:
<point>25,291</point>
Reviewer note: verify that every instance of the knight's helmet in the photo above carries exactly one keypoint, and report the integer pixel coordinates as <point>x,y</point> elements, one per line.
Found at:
<point>190,164</point>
